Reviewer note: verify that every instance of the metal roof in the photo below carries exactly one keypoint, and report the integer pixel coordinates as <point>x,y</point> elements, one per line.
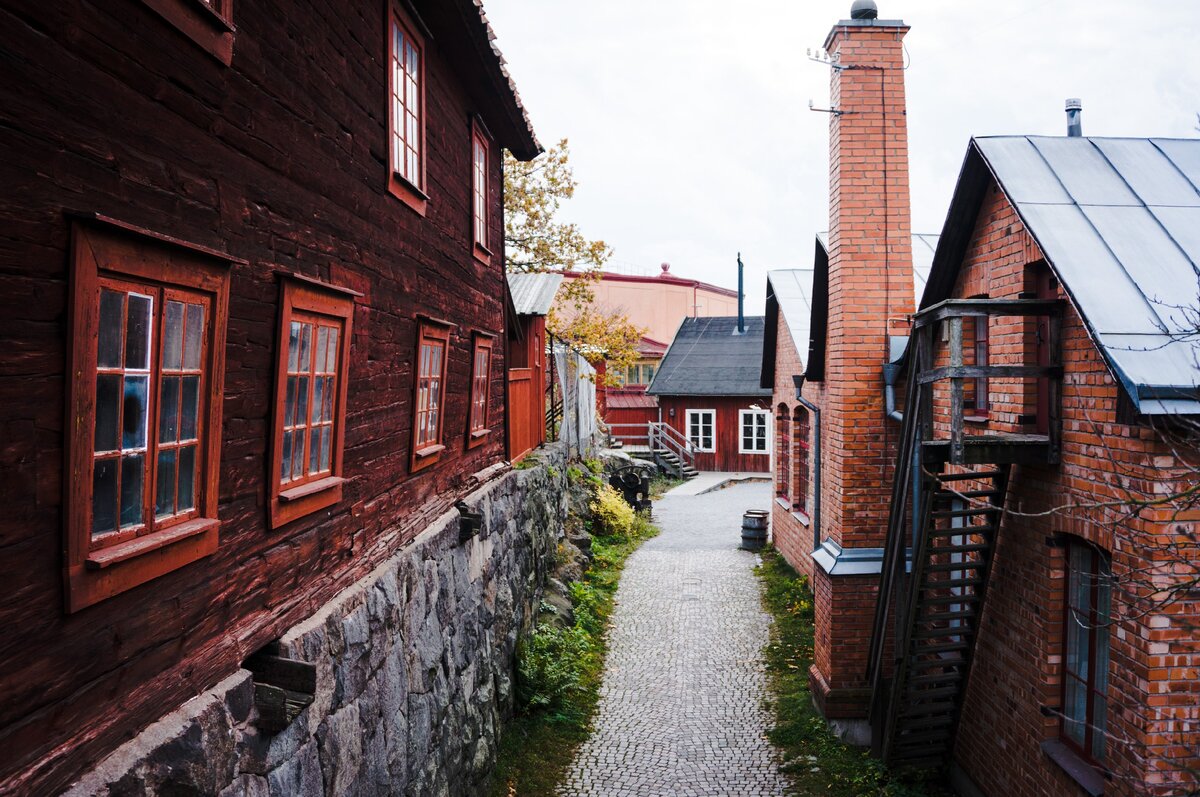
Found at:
<point>792,289</point>
<point>709,358</point>
<point>533,294</point>
<point>1118,220</point>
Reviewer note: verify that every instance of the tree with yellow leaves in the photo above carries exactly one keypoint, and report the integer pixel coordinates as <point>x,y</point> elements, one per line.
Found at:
<point>534,241</point>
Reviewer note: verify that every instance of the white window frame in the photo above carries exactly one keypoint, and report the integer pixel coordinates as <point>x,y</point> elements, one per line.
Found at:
<point>765,418</point>
<point>712,423</point>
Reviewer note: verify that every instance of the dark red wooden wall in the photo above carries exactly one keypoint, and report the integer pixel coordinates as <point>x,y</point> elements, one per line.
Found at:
<point>728,429</point>
<point>279,159</point>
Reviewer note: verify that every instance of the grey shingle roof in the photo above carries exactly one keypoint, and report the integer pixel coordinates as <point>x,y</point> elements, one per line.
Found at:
<point>1119,223</point>
<point>709,358</point>
<point>533,294</point>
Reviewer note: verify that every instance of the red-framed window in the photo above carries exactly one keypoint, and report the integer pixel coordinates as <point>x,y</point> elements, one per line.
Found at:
<point>1087,622</point>
<point>433,346</point>
<point>480,217</point>
<point>406,109</point>
<point>312,374</point>
<point>481,388</point>
<point>148,331</point>
<point>208,23</point>
<point>800,422</point>
<point>783,452</point>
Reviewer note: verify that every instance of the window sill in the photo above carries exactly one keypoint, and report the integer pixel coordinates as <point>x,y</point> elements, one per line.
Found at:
<point>407,193</point>
<point>783,503</point>
<point>482,253</point>
<point>311,488</point>
<point>801,517</point>
<point>755,453</point>
<point>204,26</point>
<point>976,418</point>
<point>1087,776</point>
<point>476,437</point>
<point>123,552</point>
<point>429,451</point>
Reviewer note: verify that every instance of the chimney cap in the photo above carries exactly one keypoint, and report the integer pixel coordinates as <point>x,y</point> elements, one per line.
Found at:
<point>1074,104</point>
<point>665,268</point>
<point>864,9</point>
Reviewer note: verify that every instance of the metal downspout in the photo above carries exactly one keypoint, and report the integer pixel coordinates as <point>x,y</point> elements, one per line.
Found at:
<point>891,374</point>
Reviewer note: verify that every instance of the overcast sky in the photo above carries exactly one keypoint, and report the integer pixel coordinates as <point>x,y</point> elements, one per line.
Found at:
<point>691,136</point>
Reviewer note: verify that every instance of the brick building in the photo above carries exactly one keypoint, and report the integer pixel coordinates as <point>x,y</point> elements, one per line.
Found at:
<point>254,298</point>
<point>1003,555</point>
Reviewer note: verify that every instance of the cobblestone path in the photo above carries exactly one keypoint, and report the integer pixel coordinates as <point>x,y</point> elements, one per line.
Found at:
<point>681,706</point>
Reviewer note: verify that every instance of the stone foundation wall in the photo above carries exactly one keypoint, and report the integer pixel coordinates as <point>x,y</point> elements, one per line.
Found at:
<point>415,671</point>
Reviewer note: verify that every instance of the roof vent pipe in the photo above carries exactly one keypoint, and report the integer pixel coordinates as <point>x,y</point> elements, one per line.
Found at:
<point>741,298</point>
<point>1074,122</point>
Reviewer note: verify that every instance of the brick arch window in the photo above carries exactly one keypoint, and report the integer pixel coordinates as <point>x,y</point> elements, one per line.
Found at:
<point>783,452</point>
<point>1087,621</point>
<point>801,458</point>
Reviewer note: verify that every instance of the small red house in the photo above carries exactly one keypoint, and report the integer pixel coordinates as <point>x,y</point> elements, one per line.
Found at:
<point>708,391</point>
<point>532,295</point>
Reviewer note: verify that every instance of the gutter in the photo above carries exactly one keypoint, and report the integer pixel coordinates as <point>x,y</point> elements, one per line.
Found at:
<point>891,374</point>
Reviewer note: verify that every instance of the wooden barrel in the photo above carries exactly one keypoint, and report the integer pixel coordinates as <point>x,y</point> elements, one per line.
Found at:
<point>754,529</point>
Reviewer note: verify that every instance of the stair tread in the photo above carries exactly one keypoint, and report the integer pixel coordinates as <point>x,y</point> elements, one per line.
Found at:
<point>974,547</point>
<point>950,567</point>
<point>946,583</point>
<point>960,477</point>
<point>938,633</point>
<point>949,495</point>
<point>962,531</point>
<point>977,510</point>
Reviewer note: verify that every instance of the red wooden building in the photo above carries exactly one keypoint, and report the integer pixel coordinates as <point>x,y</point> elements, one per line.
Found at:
<point>253,287</point>
<point>532,296</point>
<point>708,391</point>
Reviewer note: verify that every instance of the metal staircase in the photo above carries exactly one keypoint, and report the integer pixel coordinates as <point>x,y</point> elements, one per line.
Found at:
<point>947,504</point>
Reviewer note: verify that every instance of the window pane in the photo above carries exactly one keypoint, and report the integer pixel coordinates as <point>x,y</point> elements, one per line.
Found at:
<point>187,479</point>
<point>331,357</point>
<point>305,361</point>
<point>314,451</point>
<point>112,322</point>
<point>168,410</point>
<point>318,399</point>
<point>298,455</point>
<point>289,405</point>
<point>327,415</point>
<point>294,346</point>
<point>301,400</point>
<point>137,334</point>
<point>1075,709</point>
<point>108,410</point>
<point>104,496</point>
<point>164,503</point>
<point>193,337</point>
<point>134,426</point>
<point>1099,725</point>
<point>189,408</point>
<point>172,356</point>
<point>285,470</point>
<point>131,490</point>
<point>326,436</point>
<point>322,347</point>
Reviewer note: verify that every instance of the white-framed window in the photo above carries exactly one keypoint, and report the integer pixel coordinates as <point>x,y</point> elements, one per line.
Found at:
<point>701,430</point>
<point>755,435</point>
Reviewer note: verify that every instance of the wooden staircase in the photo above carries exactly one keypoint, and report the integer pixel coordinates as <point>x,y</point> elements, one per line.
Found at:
<point>948,499</point>
<point>670,461</point>
<point>671,450</point>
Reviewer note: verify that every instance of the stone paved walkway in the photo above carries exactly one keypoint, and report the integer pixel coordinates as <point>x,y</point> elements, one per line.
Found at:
<point>681,707</point>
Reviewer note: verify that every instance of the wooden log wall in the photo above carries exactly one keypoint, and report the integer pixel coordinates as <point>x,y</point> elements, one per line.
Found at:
<point>280,159</point>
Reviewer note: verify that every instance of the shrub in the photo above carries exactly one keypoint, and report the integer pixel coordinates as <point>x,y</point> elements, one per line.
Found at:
<point>550,667</point>
<point>611,516</point>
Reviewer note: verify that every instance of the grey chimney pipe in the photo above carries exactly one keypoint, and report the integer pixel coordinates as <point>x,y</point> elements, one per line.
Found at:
<point>1074,122</point>
<point>741,298</point>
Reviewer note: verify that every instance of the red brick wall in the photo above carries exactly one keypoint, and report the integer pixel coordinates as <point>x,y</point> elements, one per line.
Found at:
<point>279,159</point>
<point>1154,672</point>
<point>791,532</point>
<point>870,295</point>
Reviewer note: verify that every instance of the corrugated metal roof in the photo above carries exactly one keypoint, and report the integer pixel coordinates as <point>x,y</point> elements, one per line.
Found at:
<point>709,358</point>
<point>630,400</point>
<point>1119,222</point>
<point>533,294</point>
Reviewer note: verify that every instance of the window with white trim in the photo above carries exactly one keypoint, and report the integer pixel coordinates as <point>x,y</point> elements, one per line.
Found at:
<point>754,436</point>
<point>701,430</point>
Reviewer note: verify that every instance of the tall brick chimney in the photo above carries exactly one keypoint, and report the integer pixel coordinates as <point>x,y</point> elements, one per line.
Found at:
<point>870,293</point>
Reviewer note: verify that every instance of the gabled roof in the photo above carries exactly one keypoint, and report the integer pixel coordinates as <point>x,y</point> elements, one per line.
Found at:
<point>1118,220</point>
<point>629,400</point>
<point>709,358</point>
<point>802,295</point>
<point>533,294</point>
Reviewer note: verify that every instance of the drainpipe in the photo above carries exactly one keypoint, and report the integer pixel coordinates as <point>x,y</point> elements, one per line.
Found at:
<point>816,458</point>
<point>891,374</point>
